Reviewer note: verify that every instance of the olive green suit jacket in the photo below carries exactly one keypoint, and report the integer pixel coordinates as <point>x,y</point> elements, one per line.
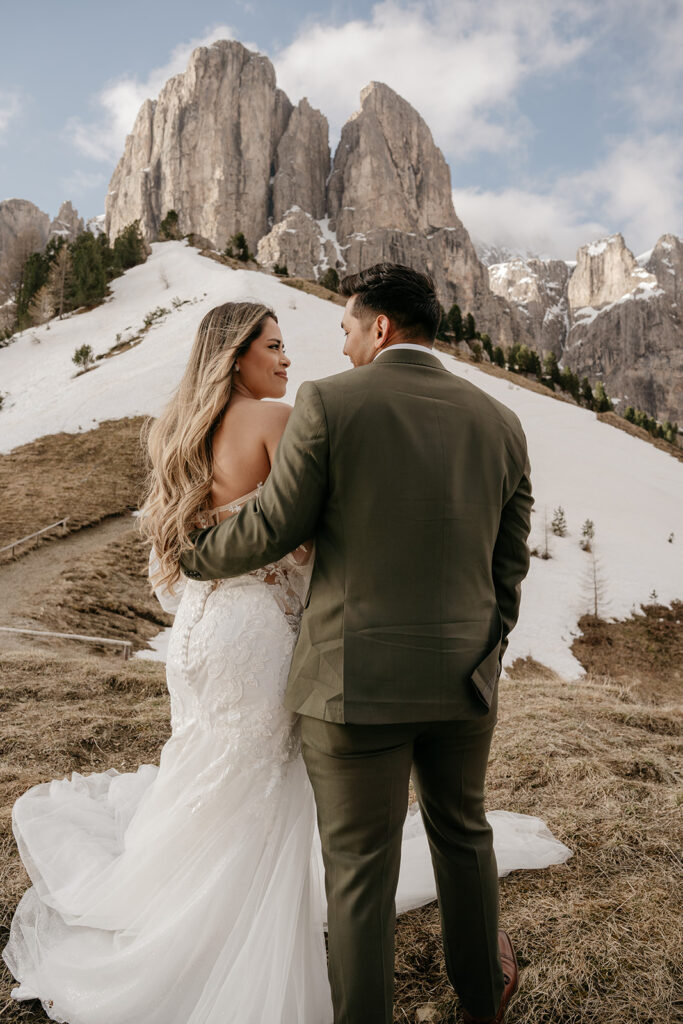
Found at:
<point>415,484</point>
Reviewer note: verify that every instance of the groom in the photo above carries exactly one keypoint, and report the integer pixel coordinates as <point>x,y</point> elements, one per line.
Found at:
<point>415,485</point>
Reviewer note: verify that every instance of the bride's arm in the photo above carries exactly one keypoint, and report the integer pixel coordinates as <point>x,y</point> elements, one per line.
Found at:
<point>286,513</point>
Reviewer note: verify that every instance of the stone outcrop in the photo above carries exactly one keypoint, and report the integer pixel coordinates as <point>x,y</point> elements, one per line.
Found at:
<point>205,148</point>
<point>304,245</point>
<point>302,164</point>
<point>606,271</point>
<point>19,217</point>
<point>538,289</point>
<point>67,224</point>
<point>24,229</point>
<point>626,327</point>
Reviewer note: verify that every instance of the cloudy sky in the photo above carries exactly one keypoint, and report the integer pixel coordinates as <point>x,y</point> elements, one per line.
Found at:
<point>561,119</point>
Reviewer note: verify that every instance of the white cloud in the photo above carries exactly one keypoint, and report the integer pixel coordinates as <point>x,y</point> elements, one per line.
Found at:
<point>458,65</point>
<point>119,101</point>
<point>83,181</point>
<point>635,189</point>
<point>638,186</point>
<point>545,224</point>
<point>10,108</point>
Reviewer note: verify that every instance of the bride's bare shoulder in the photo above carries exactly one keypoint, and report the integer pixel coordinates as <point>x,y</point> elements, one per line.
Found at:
<point>259,414</point>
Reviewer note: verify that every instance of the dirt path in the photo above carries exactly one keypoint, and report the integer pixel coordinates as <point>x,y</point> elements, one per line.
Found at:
<point>23,579</point>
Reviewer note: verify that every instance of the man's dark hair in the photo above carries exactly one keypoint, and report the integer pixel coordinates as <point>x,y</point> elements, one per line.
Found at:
<point>405,295</point>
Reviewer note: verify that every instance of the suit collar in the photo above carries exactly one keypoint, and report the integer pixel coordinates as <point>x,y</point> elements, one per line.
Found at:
<point>409,355</point>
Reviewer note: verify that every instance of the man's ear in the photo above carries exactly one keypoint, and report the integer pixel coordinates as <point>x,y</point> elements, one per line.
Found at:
<point>381,331</point>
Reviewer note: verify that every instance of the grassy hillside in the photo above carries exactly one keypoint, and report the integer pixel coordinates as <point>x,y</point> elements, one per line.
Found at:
<point>84,476</point>
<point>597,938</point>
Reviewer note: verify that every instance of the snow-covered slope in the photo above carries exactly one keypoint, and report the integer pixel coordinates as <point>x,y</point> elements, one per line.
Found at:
<point>632,491</point>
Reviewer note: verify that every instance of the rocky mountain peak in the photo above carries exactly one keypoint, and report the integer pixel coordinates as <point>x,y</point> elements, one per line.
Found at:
<point>606,270</point>
<point>666,263</point>
<point>302,163</point>
<point>205,148</point>
<point>388,172</point>
<point>67,224</point>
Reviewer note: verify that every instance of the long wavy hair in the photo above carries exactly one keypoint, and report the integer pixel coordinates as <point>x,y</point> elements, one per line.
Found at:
<point>180,440</point>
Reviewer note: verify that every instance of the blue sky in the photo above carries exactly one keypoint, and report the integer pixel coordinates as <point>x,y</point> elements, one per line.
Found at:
<point>561,120</point>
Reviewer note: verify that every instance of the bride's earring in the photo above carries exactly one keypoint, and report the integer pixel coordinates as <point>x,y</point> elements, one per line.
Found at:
<point>237,369</point>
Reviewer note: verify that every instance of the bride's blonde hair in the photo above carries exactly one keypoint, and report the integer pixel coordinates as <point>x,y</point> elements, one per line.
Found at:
<point>179,442</point>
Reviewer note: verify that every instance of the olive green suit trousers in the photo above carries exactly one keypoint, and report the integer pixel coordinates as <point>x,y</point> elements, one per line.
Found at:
<point>416,486</point>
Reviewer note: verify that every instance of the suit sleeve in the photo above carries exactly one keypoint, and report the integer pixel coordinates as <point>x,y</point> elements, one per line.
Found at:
<point>511,552</point>
<point>287,510</point>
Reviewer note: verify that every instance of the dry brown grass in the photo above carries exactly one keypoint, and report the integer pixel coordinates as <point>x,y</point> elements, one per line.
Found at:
<point>598,939</point>
<point>86,476</point>
<point>104,593</point>
<point>643,652</point>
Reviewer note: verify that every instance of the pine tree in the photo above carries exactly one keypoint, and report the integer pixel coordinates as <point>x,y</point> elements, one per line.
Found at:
<point>83,357</point>
<point>587,534</point>
<point>443,321</point>
<point>602,402</point>
<point>89,278</point>
<point>169,229</point>
<point>59,280</point>
<point>470,329</point>
<point>487,346</point>
<point>238,249</point>
<point>586,393</point>
<point>128,248</point>
<point>330,279</point>
<point>499,357</point>
<point>454,320</point>
<point>281,270</point>
<point>559,523</point>
<point>552,368</point>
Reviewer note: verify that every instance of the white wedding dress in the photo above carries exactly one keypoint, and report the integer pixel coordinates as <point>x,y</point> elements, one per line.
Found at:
<point>191,892</point>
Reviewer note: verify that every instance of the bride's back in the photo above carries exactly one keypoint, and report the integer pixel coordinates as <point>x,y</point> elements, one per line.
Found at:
<point>244,445</point>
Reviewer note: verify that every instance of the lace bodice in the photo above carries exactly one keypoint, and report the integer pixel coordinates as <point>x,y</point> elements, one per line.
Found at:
<point>290,575</point>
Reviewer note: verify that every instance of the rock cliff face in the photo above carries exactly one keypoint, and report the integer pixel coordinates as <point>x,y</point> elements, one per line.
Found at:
<point>626,325</point>
<point>19,217</point>
<point>538,289</point>
<point>611,317</point>
<point>605,272</point>
<point>205,148</point>
<point>67,223</point>
<point>302,164</point>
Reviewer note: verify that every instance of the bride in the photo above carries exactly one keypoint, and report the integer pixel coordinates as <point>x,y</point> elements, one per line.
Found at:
<point>190,893</point>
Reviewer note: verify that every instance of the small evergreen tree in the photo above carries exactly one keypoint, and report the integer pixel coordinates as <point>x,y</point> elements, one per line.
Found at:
<point>602,402</point>
<point>470,329</point>
<point>59,280</point>
<point>128,248</point>
<point>569,382</point>
<point>586,393</point>
<point>475,346</point>
<point>454,319</point>
<point>237,248</point>
<point>281,270</point>
<point>487,346</point>
<point>89,277</point>
<point>83,357</point>
<point>443,324</point>
<point>169,229</point>
<point>552,368</point>
<point>499,357</point>
<point>559,523</point>
<point>587,534</point>
<point>330,279</point>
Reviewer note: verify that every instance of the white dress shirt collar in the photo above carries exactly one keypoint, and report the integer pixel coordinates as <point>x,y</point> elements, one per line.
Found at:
<point>407,344</point>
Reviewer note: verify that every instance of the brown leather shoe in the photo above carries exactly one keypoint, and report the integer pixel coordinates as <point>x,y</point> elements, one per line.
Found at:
<point>510,977</point>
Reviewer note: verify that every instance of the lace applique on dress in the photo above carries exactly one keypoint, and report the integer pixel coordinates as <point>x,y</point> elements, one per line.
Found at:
<point>290,576</point>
